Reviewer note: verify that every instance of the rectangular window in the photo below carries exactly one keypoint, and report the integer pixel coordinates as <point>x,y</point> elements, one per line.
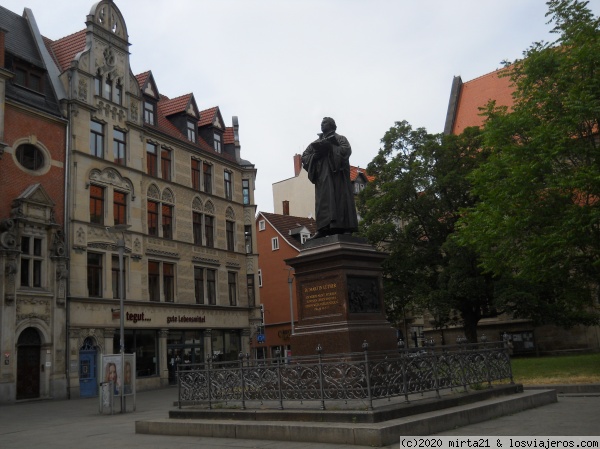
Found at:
<point>149,114</point>
<point>144,344</point>
<point>96,139</point>
<point>275,243</point>
<point>196,174</point>
<point>153,218</point>
<point>151,159</point>
<point>119,94</point>
<point>97,85</point>
<point>167,221</point>
<point>119,147</point>
<point>232,284</point>
<point>248,238</point>
<point>120,207</point>
<point>229,234</point>
<point>94,275</point>
<point>116,272</point>
<point>96,204</point>
<point>197,228</point>
<point>251,291</point>
<point>31,262</point>
<point>217,142</point>
<point>199,284</point>
<point>260,278</point>
<point>169,282</point>
<point>246,191</point>
<point>154,280</point>
<point>191,131</point>
<point>108,88</point>
<point>165,164</point>
<point>207,172</point>
<point>228,192</point>
<point>211,287</point>
<point>261,225</point>
<point>209,231</point>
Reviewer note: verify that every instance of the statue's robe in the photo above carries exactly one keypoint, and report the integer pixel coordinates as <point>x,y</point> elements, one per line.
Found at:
<point>328,167</point>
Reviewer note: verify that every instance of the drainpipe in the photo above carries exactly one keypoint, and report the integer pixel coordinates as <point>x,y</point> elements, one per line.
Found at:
<point>67,223</point>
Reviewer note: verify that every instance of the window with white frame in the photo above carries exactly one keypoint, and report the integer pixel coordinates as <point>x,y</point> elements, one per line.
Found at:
<point>275,243</point>
<point>261,225</point>
<point>260,279</point>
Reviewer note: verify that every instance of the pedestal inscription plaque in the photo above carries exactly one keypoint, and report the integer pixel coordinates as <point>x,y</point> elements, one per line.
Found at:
<point>340,297</point>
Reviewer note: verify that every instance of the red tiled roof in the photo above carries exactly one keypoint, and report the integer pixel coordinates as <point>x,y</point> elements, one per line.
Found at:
<point>142,78</point>
<point>64,49</point>
<point>284,223</point>
<point>476,93</point>
<point>175,105</point>
<point>228,135</point>
<point>354,171</point>
<point>207,116</point>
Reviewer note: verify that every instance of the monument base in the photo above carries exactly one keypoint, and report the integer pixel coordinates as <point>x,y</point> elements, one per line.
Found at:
<point>339,290</point>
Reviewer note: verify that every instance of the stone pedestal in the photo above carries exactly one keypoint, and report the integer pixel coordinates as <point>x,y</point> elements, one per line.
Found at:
<point>339,291</point>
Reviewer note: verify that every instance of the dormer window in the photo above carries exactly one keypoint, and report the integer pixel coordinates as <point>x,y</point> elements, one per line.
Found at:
<point>29,77</point>
<point>191,131</point>
<point>358,187</point>
<point>217,142</point>
<point>149,113</point>
<point>304,236</point>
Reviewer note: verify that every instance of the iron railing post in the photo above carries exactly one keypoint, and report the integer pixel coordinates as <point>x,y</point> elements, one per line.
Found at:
<point>277,354</point>
<point>241,359</point>
<point>321,386</point>
<point>365,347</point>
<point>208,381</point>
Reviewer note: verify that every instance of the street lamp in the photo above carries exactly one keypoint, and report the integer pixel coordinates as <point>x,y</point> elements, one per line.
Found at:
<point>121,228</point>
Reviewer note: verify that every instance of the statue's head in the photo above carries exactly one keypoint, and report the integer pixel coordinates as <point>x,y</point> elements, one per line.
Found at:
<point>328,124</point>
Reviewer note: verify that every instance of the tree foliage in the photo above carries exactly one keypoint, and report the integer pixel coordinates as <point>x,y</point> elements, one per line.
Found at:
<point>411,209</point>
<point>537,217</point>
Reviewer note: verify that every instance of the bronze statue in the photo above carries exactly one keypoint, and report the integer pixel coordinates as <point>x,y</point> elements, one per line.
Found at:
<point>327,161</point>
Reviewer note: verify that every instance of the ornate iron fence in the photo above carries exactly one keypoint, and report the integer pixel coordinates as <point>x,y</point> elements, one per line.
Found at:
<point>364,376</point>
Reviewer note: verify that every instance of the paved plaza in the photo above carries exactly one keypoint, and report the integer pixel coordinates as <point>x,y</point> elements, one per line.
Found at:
<point>77,423</point>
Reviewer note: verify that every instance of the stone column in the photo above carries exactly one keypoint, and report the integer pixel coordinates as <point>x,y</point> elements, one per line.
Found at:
<point>163,366</point>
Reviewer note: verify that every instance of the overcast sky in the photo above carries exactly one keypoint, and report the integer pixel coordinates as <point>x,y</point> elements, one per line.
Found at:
<point>283,65</point>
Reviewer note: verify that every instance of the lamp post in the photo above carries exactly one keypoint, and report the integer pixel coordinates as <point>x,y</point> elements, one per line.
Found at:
<point>121,248</point>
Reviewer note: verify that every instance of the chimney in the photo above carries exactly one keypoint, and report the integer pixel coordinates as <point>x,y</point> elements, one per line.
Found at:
<point>286,207</point>
<point>297,164</point>
<point>2,46</point>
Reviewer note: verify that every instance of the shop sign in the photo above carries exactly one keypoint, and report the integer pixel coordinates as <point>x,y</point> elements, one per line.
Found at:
<point>186,319</point>
<point>135,317</point>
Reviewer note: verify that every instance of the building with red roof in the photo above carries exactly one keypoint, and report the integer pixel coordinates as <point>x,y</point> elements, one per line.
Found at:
<point>279,237</point>
<point>158,180</point>
<point>464,110</point>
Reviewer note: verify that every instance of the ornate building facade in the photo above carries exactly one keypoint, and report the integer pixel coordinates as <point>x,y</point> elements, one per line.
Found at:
<point>159,181</point>
<point>33,259</point>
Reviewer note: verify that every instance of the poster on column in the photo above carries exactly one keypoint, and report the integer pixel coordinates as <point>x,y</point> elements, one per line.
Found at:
<point>111,372</point>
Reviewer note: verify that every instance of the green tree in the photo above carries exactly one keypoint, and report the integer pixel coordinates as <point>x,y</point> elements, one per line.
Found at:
<point>411,209</point>
<point>538,214</point>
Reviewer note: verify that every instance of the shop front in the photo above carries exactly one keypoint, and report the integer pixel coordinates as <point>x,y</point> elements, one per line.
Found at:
<point>161,337</point>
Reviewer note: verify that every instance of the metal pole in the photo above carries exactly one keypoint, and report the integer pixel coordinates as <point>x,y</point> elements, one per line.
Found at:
<point>121,246</point>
